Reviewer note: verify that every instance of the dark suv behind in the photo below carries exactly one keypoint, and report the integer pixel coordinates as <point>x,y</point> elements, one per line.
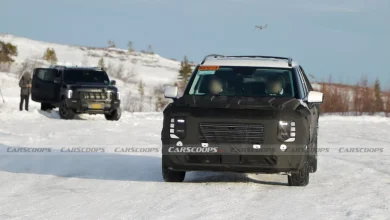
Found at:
<point>76,90</point>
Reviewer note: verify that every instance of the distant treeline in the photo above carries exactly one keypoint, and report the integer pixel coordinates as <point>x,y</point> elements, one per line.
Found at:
<point>359,99</point>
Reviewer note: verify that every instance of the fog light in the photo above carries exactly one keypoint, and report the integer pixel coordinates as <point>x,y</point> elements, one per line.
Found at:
<point>205,144</point>
<point>179,144</point>
<point>283,147</point>
<point>256,146</point>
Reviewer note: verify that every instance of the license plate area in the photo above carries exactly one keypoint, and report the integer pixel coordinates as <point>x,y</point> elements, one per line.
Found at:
<point>230,159</point>
<point>96,106</point>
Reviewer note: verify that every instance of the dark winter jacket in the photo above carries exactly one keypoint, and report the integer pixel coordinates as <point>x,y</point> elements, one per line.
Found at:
<point>24,82</point>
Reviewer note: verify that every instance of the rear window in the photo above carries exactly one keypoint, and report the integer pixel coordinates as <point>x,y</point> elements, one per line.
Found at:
<point>243,81</point>
<point>85,76</point>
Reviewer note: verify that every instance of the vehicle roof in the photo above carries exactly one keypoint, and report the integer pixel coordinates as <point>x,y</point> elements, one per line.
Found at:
<point>83,68</point>
<point>249,61</point>
<point>77,68</point>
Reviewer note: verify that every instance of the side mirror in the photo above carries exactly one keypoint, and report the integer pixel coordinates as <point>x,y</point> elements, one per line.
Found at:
<point>315,97</point>
<point>171,92</point>
<point>113,82</point>
<point>57,80</point>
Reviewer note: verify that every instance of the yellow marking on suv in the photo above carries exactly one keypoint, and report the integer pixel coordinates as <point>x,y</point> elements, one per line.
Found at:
<point>208,68</point>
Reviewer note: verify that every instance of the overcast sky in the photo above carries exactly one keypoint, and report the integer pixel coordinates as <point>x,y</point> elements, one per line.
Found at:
<point>345,38</point>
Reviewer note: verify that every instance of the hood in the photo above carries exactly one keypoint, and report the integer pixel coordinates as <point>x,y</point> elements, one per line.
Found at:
<point>26,76</point>
<point>99,87</point>
<point>238,102</point>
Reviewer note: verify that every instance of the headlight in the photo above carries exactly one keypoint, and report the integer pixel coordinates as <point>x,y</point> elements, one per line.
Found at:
<point>177,128</point>
<point>70,93</point>
<point>286,131</point>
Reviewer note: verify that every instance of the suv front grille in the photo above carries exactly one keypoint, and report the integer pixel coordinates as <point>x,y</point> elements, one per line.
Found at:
<point>218,133</point>
<point>95,95</point>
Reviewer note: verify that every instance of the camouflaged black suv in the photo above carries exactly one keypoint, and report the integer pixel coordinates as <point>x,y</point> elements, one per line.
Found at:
<point>251,114</point>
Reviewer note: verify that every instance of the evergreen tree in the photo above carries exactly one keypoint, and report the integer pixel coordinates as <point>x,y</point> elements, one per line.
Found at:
<point>379,105</point>
<point>184,73</point>
<point>150,50</point>
<point>7,50</point>
<point>160,100</point>
<point>101,63</point>
<point>130,46</point>
<point>141,90</point>
<point>111,43</point>
<point>50,56</point>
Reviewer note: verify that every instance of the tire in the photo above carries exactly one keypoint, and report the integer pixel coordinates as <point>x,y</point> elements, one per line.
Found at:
<point>172,176</point>
<point>114,116</point>
<point>313,158</point>
<point>65,112</point>
<point>301,178</point>
<point>46,106</point>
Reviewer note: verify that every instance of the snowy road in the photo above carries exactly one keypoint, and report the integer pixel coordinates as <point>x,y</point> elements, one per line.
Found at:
<point>109,185</point>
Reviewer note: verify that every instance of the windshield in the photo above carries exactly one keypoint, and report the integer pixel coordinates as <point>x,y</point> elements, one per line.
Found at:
<point>85,76</point>
<point>243,81</point>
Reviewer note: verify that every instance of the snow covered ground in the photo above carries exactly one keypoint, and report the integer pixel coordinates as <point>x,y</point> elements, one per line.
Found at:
<point>110,185</point>
<point>151,68</point>
<point>129,185</point>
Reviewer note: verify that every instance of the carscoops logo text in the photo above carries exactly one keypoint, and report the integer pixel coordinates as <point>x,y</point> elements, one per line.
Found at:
<point>193,149</point>
<point>82,150</point>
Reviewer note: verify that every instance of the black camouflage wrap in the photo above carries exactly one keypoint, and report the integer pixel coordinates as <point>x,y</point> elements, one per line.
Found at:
<point>267,111</point>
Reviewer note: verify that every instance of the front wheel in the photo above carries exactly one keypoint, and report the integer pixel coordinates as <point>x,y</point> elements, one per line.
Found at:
<point>301,178</point>
<point>172,176</point>
<point>65,112</point>
<point>114,116</point>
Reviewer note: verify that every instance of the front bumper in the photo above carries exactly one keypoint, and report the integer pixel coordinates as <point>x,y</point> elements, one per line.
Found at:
<point>189,153</point>
<point>268,159</point>
<point>83,106</point>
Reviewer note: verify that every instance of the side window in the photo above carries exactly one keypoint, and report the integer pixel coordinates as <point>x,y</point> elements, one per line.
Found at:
<point>50,75</point>
<point>303,83</point>
<point>47,75</point>
<point>41,74</point>
<point>308,84</point>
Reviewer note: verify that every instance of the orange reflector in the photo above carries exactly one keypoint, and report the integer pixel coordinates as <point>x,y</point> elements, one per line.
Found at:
<point>208,68</point>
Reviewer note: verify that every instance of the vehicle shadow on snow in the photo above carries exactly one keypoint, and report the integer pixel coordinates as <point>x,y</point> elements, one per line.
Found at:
<point>53,114</point>
<point>105,166</point>
<point>200,177</point>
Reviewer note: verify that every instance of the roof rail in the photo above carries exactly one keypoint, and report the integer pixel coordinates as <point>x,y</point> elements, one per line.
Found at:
<point>57,66</point>
<point>95,67</point>
<point>289,59</point>
<point>211,55</point>
<point>258,56</point>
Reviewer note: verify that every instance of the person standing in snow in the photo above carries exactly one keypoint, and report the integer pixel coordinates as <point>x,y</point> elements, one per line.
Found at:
<point>25,90</point>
